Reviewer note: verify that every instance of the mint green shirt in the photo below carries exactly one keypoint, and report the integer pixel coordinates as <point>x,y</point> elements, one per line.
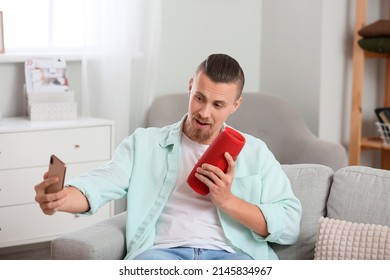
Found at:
<point>144,169</point>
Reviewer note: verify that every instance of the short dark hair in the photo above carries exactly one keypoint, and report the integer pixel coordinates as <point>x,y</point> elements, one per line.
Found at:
<point>222,68</point>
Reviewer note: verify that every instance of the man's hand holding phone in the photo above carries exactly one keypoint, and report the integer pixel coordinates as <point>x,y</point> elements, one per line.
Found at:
<point>49,202</point>
<point>49,193</point>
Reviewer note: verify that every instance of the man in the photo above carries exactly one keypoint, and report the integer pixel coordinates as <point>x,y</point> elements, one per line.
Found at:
<point>247,207</point>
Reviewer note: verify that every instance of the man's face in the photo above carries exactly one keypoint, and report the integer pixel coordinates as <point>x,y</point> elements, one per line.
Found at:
<point>209,107</point>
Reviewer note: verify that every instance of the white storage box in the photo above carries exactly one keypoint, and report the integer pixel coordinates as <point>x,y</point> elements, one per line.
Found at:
<point>46,97</point>
<point>50,106</point>
<point>52,111</point>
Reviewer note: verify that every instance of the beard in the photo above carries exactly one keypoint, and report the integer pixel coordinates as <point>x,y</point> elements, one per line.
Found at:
<point>196,134</point>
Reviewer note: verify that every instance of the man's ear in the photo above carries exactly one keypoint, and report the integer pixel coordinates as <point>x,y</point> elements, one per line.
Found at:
<point>190,85</point>
<point>236,105</point>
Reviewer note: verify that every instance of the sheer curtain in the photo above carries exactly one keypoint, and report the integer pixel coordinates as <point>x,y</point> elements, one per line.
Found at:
<point>120,60</point>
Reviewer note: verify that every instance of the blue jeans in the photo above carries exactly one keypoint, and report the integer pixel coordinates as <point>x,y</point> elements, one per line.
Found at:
<point>187,253</point>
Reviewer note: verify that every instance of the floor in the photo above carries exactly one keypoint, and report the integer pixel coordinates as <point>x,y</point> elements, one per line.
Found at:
<point>38,251</point>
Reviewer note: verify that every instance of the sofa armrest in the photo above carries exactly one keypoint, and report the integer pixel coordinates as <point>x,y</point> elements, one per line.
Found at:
<point>315,150</point>
<point>105,240</point>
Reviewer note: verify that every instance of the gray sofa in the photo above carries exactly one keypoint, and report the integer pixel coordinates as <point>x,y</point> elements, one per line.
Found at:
<point>318,174</point>
<point>359,195</point>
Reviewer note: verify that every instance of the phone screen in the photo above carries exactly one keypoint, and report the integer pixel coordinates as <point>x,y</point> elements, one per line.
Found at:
<point>56,168</point>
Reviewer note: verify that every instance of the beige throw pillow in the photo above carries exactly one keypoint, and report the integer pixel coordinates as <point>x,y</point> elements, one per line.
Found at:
<point>342,240</point>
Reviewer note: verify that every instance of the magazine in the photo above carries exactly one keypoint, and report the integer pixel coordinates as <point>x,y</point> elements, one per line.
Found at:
<point>46,75</point>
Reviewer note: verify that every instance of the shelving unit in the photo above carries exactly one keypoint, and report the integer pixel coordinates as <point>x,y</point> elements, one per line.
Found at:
<point>357,142</point>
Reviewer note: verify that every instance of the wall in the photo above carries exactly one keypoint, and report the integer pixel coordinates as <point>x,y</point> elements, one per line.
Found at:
<point>11,89</point>
<point>193,29</point>
<point>336,69</point>
<point>291,54</point>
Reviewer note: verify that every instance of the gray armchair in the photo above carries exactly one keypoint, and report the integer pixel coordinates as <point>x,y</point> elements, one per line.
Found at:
<point>265,116</point>
<point>102,241</point>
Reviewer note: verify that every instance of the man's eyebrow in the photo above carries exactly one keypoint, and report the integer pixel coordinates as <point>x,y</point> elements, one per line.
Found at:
<point>215,101</point>
<point>200,93</point>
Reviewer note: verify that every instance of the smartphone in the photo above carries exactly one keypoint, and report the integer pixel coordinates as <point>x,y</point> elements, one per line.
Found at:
<point>56,168</point>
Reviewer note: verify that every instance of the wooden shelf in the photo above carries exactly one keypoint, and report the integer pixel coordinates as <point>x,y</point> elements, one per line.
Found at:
<point>357,142</point>
<point>375,143</point>
<point>376,55</point>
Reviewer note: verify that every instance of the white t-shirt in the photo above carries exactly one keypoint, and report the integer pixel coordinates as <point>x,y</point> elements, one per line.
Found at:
<point>189,219</point>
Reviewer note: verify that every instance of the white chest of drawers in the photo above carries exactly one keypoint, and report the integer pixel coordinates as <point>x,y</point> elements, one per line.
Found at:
<point>25,149</point>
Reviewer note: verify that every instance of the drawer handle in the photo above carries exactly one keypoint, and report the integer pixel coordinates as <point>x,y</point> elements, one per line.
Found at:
<point>76,146</point>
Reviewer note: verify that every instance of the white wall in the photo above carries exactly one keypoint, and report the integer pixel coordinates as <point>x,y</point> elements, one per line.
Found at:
<point>11,88</point>
<point>291,54</point>
<point>336,54</point>
<point>193,29</point>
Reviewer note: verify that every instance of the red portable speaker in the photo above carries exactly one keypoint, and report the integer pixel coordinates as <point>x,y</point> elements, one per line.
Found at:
<point>229,140</point>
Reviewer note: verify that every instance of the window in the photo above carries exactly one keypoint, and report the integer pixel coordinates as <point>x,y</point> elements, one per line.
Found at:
<point>43,24</point>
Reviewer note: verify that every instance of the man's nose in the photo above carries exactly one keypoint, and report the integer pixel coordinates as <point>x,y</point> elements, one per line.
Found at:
<point>205,111</point>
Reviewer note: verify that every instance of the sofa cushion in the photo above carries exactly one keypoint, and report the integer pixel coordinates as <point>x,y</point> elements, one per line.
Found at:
<point>360,194</point>
<point>342,240</point>
<point>310,183</point>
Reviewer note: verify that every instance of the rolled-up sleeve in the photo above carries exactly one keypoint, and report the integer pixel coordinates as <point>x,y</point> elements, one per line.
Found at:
<point>281,208</point>
<point>260,180</point>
